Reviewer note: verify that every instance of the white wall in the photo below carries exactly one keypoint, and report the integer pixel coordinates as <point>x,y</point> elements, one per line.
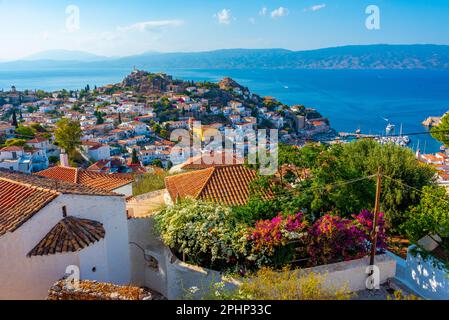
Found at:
<point>101,153</point>
<point>93,262</point>
<point>126,190</point>
<point>142,237</point>
<point>23,277</point>
<point>353,274</point>
<point>29,278</point>
<point>111,212</point>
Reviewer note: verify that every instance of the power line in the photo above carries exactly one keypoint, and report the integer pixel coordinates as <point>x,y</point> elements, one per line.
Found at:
<point>289,193</point>
<point>414,188</point>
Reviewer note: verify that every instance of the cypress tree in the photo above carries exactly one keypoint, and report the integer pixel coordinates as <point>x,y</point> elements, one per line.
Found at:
<point>14,119</point>
<point>134,159</point>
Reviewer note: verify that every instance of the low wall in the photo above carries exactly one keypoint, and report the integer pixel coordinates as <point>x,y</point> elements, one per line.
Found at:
<point>180,276</point>
<point>424,276</point>
<point>154,266</point>
<point>353,274</point>
<point>148,195</point>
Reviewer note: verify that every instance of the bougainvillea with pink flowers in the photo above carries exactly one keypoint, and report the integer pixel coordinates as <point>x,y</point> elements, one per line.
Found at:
<point>365,219</point>
<point>332,238</point>
<point>267,235</point>
<point>329,239</point>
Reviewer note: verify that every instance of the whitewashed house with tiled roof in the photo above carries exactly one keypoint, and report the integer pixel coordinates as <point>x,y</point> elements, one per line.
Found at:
<point>49,226</point>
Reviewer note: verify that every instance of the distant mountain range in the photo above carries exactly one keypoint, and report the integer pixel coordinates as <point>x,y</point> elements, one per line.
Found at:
<point>64,55</point>
<point>346,57</point>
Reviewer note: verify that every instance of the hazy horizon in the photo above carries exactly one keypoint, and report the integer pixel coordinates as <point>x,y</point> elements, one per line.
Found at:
<point>35,55</point>
<point>118,29</point>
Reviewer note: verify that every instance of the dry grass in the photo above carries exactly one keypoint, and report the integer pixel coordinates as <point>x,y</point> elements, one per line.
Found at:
<point>290,285</point>
<point>149,182</point>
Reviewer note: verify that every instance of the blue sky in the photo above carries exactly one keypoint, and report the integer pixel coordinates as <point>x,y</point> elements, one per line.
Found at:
<point>118,28</point>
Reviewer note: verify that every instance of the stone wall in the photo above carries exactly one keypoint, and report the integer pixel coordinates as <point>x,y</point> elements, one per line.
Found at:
<point>93,290</point>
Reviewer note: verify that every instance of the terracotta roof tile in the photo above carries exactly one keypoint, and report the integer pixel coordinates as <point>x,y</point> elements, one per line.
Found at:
<point>18,203</point>
<point>23,195</point>
<point>99,180</point>
<point>60,173</point>
<point>204,161</point>
<point>12,148</point>
<point>227,185</point>
<point>69,235</point>
<point>37,140</point>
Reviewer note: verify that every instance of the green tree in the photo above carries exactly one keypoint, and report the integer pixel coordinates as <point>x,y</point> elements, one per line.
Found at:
<point>360,159</point>
<point>134,158</point>
<point>430,216</point>
<point>68,135</point>
<point>336,178</point>
<point>15,142</point>
<point>157,163</point>
<point>37,127</point>
<point>25,132</point>
<point>14,118</point>
<point>441,132</point>
<point>164,134</point>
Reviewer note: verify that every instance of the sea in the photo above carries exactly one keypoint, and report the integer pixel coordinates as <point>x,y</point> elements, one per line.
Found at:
<point>351,99</point>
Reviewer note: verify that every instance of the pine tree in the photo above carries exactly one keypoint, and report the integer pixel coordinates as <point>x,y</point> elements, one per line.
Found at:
<point>14,119</point>
<point>134,159</point>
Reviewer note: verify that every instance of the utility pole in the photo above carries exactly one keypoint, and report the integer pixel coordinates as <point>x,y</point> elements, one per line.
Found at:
<point>376,217</point>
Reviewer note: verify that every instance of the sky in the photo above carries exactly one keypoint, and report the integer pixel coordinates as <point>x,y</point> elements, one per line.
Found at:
<point>120,28</point>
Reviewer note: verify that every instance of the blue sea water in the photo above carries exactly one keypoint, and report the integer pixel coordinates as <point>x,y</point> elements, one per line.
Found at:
<point>351,99</point>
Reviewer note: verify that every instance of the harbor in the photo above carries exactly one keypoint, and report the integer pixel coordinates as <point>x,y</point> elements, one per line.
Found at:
<point>389,137</point>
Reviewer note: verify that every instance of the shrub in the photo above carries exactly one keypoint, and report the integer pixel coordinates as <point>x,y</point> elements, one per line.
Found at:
<point>333,239</point>
<point>365,220</point>
<point>430,216</point>
<point>207,233</point>
<point>271,240</point>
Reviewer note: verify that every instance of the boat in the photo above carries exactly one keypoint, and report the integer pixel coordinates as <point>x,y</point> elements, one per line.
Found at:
<point>390,128</point>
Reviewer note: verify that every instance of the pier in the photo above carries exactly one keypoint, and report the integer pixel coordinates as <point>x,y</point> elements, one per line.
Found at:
<point>356,135</point>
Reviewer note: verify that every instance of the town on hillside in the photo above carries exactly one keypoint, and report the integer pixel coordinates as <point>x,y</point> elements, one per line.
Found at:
<point>97,202</point>
<point>133,120</point>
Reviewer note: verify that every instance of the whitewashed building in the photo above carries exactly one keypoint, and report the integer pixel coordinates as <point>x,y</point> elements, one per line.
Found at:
<point>48,226</point>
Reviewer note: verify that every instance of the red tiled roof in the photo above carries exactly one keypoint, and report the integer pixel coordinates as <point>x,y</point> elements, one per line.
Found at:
<point>18,203</point>
<point>22,196</point>
<point>99,165</point>
<point>69,235</point>
<point>204,161</point>
<point>37,140</point>
<point>229,185</point>
<point>12,148</point>
<point>99,180</point>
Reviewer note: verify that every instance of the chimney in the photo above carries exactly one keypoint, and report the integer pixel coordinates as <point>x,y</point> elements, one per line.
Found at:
<point>64,159</point>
